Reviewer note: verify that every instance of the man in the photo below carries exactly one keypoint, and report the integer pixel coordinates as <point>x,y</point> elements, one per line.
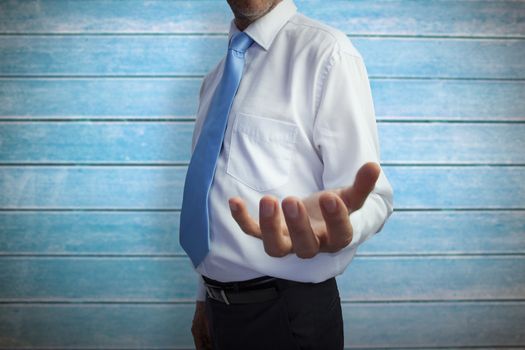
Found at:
<point>299,127</point>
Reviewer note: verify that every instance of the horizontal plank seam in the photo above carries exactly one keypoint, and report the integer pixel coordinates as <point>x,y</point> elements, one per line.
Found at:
<point>185,76</point>
<point>185,120</point>
<point>380,119</point>
<point>98,348</point>
<point>225,34</point>
<point>184,164</point>
<point>346,348</point>
<point>454,164</point>
<point>101,164</point>
<point>112,348</point>
<point>34,302</point>
<point>492,347</point>
<point>147,210</point>
<point>457,209</point>
<point>124,210</point>
<point>176,256</point>
<point>387,120</point>
<point>97,119</point>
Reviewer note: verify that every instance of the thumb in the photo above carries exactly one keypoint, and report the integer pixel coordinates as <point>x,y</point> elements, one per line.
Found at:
<point>364,183</point>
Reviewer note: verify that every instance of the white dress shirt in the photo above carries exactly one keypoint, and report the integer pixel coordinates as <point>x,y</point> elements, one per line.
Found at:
<point>302,121</point>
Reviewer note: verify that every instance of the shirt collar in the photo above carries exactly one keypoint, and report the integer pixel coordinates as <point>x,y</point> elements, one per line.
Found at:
<point>265,29</point>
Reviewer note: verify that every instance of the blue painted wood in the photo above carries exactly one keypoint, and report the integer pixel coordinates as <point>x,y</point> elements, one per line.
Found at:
<point>451,100</point>
<point>454,325</point>
<point>102,187</point>
<point>367,325</point>
<point>428,278</point>
<point>465,143</point>
<point>100,142</point>
<point>196,55</point>
<point>139,187</point>
<point>458,187</point>
<point>101,98</point>
<point>88,326</point>
<point>131,233</point>
<point>383,17</point>
<point>471,232</point>
<point>443,58</point>
<point>412,48</point>
<point>156,233</point>
<point>177,97</point>
<point>163,279</point>
<point>97,279</point>
<point>163,142</point>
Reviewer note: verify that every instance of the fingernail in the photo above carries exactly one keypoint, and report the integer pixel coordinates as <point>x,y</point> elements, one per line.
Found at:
<point>330,205</point>
<point>267,209</point>
<point>290,209</point>
<point>233,206</point>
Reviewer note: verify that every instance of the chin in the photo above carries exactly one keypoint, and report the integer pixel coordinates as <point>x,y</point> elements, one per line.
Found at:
<point>251,8</point>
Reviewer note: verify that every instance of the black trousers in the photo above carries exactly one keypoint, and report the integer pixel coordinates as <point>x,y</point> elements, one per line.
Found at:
<point>304,316</point>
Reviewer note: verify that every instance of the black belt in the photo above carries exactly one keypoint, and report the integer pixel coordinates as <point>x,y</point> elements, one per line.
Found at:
<point>256,290</point>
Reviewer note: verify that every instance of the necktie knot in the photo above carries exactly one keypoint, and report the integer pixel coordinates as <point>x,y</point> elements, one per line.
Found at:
<point>240,42</point>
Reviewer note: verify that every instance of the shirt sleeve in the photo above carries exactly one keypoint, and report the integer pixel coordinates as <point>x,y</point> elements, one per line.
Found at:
<point>345,133</point>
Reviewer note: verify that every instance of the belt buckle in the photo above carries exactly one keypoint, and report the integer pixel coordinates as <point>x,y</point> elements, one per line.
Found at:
<point>215,296</point>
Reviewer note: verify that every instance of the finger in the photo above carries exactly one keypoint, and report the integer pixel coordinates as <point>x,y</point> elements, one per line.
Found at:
<point>304,241</point>
<point>276,244</point>
<point>242,216</point>
<point>365,180</point>
<point>338,227</point>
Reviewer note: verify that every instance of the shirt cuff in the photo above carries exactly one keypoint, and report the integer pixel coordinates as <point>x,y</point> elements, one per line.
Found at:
<point>201,289</point>
<point>357,234</point>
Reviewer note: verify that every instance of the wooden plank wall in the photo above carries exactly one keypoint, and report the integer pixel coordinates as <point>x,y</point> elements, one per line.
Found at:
<point>97,102</point>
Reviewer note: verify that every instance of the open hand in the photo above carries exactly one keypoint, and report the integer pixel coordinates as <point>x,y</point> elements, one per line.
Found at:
<point>317,223</point>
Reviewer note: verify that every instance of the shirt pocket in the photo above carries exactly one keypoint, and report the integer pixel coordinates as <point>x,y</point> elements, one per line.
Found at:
<point>261,150</point>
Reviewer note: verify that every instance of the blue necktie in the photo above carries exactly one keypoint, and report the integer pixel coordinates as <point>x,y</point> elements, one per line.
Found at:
<point>194,220</point>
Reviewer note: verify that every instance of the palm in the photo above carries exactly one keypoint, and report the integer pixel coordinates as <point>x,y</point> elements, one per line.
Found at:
<point>307,226</point>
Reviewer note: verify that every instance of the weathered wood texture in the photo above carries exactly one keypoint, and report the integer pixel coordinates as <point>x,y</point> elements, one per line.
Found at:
<point>155,233</point>
<point>97,102</point>
<point>154,187</point>
<point>163,326</point>
<point>195,55</point>
<point>176,97</point>
<point>170,142</point>
<point>163,279</point>
<point>472,18</point>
